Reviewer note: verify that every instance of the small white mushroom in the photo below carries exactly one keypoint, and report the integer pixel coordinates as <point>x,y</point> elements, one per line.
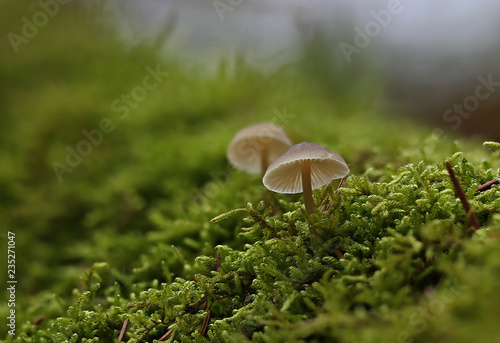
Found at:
<point>254,147</point>
<point>306,166</point>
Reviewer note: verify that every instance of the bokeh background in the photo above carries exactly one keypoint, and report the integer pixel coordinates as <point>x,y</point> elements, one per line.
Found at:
<point>66,66</point>
<point>428,55</point>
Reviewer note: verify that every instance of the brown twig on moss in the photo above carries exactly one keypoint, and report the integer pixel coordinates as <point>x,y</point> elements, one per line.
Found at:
<point>336,192</point>
<point>147,330</point>
<point>338,253</point>
<point>488,185</point>
<point>461,195</point>
<point>39,320</point>
<point>167,334</point>
<point>204,327</point>
<point>342,181</point>
<point>123,330</point>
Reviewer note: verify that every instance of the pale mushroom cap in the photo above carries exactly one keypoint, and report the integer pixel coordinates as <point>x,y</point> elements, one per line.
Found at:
<point>284,174</point>
<point>244,151</point>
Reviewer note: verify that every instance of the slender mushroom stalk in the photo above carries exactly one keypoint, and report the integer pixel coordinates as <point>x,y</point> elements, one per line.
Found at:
<point>305,169</point>
<point>306,186</point>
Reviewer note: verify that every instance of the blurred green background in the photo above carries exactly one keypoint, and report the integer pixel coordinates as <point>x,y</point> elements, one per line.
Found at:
<point>166,159</point>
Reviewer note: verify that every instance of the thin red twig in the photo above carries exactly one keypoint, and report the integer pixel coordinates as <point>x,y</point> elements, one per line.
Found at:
<point>488,185</point>
<point>123,331</point>
<point>341,183</point>
<point>39,320</point>
<point>307,282</point>
<point>204,327</point>
<point>219,264</point>
<point>167,335</point>
<point>339,253</point>
<point>461,195</point>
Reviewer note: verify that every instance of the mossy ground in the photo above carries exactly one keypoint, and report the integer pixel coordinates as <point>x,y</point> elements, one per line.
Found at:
<point>127,233</point>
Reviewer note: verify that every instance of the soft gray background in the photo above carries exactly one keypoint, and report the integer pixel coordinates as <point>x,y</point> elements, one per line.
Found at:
<point>430,54</point>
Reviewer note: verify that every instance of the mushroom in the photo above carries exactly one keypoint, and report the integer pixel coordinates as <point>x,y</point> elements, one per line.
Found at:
<point>254,147</point>
<point>306,166</point>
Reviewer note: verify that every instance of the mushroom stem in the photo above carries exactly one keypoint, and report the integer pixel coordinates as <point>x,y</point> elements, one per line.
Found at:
<point>306,186</point>
<point>264,159</point>
<point>308,199</point>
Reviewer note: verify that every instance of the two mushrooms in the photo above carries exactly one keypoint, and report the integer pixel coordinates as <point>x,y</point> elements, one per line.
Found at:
<point>287,168</point>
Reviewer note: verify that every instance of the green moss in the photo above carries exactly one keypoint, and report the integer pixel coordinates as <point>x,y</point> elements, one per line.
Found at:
<point>128,233</point>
